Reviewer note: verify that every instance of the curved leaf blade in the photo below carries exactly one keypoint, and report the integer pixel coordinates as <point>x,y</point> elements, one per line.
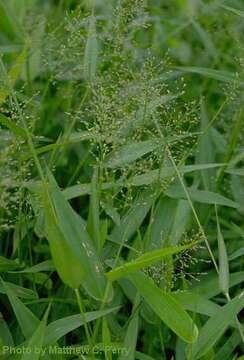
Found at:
<point>146,260</point>
<point>59,328</point>
<point>216,326</point>
<point>170,311</point>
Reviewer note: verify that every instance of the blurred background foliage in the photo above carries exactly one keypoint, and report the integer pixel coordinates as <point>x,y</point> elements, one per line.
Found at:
<point>182,61</point>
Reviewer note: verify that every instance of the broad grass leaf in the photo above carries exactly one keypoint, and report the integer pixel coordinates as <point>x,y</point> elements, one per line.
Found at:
<point>143,114</point>
<point>8,265</point>
<point>169,310</point>
<point>131,335</point>
<point>40,279</point>
<point>205,38</point>
<point>91,51</point>
<point>233,10</point>
<point>219,141</point>
<point>205,152</point>
<point>131,152</point>
<point>139,180</point>
<point>106,337</point>
<point>5,334</point>
<point>225,352</point>
<point>14,128</point>
<point>146,260</point>
<point>133,218</point>
<point>141,356</point>
<point>93,223</point>
<point>66,262</point>
<point>223,261</point>
<point>78,251</point>
<point>219,75</point>
<point>59,328</point>
<point>76,191</point>
<point>209,287</point>
<point>13,74</point>
<point>166,172</point>
<point>28,322</point>
<point>20,7</point>
<point>7,25</point>
<point>19,291</point>
<point>18,66</point>
<point>151,106</point>
<point>148,314</point>
<point>34,60</point>
<point>162,224</point>
<point>236,254</point>
<point>111,212</point>
<point>195,303</point>
<point>36,340</point>
<point>237,187</point>
<point>85,189</point>
<point>215,327</point>
<point>11,48</point>
<point>239,172</point>
<point>202,196</point>
<point>74,138</point>
<point>181,219</point>
<point>46,265</point>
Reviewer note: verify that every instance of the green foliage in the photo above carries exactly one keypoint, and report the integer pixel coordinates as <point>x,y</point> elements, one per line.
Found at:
<point>122,157</point>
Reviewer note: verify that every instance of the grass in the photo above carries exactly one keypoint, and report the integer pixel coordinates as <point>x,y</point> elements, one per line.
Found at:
<point>122,157</point>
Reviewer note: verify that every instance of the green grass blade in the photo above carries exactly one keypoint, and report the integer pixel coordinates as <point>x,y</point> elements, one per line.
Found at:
<point>223,261</point>
<point>66,262</point>
<point>181,219</point>
<point>205,38</point>
<point>19,291</point>
<point>162,224</point>
<point>166,172</point>
<point>205,152</point>
<point>131,335</point>
<point>8,265</point>
<point>7,24</point>
<point>146,260</point>
<point>87,268</point>
<point>14,128</point>
<point>227,349</point>
<point>36,340</point>
<point>202,196</point>
<point>236,254</point>
<point>233,10</point>
<point>193,302</point>
<point>93,223</point>
<point>5,334</point>
<point>59,328</point>
<point>111,212</point>
<point>91,51</point>
<point>106,337</point>
<point>215,327</point>
<point>166,308</point>
<point>13,75</point>
<point>76,191</point>
<point>209,287</point>
<point>46,265</point>
<point>75,138</point>
<point>133,218</point>
<point>219,75</point>
<point>131,152</point>
<point>10,49</point>
<point>239,172</point>
<point>28,322</point>
<point>142,356</point>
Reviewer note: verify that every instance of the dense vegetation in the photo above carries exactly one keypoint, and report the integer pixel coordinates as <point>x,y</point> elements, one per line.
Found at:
<point>122,193</point>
